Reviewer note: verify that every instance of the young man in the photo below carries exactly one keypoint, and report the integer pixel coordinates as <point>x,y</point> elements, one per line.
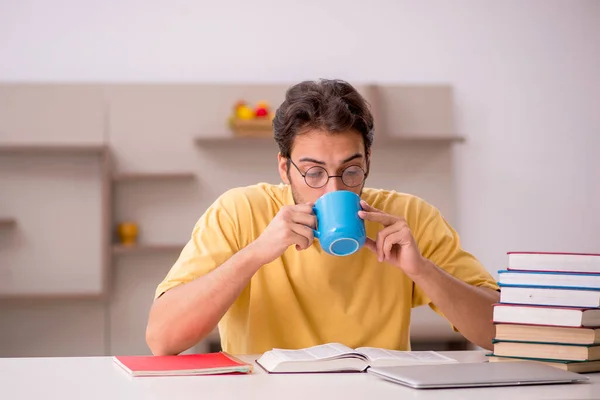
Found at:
<point>253,267</point>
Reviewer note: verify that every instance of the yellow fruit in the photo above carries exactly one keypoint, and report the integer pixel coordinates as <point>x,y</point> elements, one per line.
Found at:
<point>244,112</point>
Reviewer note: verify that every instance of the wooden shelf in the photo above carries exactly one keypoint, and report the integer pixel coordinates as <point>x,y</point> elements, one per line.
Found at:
<point>35,297</point>
<point>422,139</point>
<point>231,139</point>
<point>7,222</point>
<point>257,127</point>
<point>417,139</point>
<point>52,149</point>
<point>146,248</point>
<point>150,176</point>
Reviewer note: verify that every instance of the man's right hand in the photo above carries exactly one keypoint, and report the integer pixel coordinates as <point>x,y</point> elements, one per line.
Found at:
<point>293,225</point>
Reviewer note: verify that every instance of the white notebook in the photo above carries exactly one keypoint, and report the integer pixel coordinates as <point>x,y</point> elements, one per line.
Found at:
<point>545,315</point>
<point>550,296</point>
<point>547,261</point>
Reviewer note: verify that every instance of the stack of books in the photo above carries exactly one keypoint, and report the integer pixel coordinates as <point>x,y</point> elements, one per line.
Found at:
<point>549,310</point>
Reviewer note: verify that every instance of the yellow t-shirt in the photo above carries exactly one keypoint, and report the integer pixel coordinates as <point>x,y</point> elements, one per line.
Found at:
<point>305,298</point>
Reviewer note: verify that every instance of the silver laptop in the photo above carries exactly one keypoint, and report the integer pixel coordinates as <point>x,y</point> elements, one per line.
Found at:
<point>476,374</point>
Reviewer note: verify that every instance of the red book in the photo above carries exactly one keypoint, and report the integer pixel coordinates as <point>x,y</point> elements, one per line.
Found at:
<point>187,364</point>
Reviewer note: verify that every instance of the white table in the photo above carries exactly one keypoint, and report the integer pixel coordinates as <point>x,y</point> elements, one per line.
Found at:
<point>99,378</point>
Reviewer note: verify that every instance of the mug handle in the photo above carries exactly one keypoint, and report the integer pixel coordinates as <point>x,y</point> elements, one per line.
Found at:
<point>316,233</point>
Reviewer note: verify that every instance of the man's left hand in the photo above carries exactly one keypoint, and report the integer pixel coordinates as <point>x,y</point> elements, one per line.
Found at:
<point>395,243</point>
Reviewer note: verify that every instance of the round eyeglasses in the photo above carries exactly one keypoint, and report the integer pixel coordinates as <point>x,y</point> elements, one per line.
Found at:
<point>316,177</point>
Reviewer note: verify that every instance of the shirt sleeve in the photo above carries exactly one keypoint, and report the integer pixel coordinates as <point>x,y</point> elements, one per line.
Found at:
<point>213,241</point>
<point>440,243</point>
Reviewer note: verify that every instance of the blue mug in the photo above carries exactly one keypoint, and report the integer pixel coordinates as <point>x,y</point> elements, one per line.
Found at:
<point>340,230</point>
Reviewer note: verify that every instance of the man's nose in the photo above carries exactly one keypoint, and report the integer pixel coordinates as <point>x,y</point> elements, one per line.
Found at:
<point>334,184</point>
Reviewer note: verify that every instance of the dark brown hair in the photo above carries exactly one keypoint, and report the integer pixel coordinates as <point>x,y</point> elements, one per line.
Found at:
<point>329,105</point>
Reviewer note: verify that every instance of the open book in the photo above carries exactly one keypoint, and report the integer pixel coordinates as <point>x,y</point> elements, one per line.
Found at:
<point>335,357</point>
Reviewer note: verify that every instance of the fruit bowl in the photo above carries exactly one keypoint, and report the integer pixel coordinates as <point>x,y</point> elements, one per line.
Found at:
<point>256,127</point>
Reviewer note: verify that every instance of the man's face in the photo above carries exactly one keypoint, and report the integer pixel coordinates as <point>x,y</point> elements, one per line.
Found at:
<point>334,152</point>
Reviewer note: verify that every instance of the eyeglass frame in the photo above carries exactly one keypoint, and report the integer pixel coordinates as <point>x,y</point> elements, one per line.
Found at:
<point>328,176</point>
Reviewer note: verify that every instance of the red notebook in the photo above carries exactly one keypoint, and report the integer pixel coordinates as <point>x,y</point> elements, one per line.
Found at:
<point>187,364</point>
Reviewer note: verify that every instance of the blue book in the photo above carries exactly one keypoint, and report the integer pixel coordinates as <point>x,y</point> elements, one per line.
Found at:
<point>550,296</point>
<point>565,280</point>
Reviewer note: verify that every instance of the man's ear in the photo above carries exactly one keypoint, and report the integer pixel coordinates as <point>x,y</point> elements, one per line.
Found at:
<point>368,162</point>
<point>282,166</point>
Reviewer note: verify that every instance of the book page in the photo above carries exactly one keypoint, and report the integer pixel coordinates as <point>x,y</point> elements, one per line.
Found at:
<point>325,351</point>
<point>404,357</point>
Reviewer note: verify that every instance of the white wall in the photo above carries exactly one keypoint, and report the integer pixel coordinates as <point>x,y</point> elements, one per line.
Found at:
<point>525,75</point>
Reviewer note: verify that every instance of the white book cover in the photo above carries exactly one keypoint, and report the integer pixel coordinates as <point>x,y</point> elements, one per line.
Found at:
<point>548,261</point>
<point>550,296</point>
